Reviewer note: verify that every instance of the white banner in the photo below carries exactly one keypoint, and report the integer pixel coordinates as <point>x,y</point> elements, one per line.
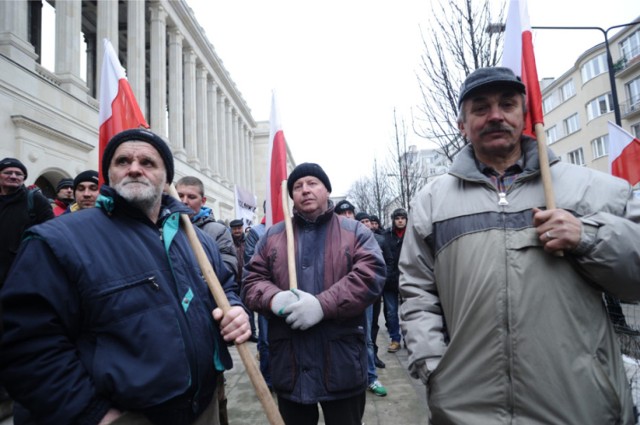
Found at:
<point>245,206</point>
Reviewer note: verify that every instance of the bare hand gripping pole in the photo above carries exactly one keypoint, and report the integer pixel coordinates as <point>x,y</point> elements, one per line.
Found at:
<point>262,391</point>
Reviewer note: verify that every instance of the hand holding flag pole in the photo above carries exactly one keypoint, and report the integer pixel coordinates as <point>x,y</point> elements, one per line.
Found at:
<point>260,386</point>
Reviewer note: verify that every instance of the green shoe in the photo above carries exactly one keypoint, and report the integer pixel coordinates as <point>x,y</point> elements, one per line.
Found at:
<point>377,388</point>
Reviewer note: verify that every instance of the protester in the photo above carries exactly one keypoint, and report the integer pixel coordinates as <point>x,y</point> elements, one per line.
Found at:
<point>107,315</point>
<point>503,314</point>
<point>393,239</point>
<point>85,191</point>
<point>64,196</point>
<point>346,209</point>
<point>316,332</point>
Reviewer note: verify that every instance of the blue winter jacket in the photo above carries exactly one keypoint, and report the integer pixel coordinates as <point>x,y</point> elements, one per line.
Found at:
<point>104,308</point>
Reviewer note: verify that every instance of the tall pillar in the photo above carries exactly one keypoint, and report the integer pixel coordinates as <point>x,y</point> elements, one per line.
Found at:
<point>176,111</point>
<point>229,143</point>
<point>212,127</point>
<point>201,118</point>
<point>222,143</point>
<point>246,158</point>
<point>243,153</point>
<point>107,28</point>
<point>67,61</point>
<point>236,148</point>
<point>14,33</point>
<point>136,52</point>
<point>158,66</point>
<point>252,185</point>
<point>190,106</point>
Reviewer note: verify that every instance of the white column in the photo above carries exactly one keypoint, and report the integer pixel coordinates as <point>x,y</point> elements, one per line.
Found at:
<point>136,54</point>
<point>246,157</point>
<point>252,181</point>
<point>243,153</point>
<point>201,118</point>
<point>14,34</point>
<point>67,61</point>
<point>107,28</point>
<point>236,148</point>
<point>212,127</point>
<point>158,65</point>
<point>222,144</point>
<point>231,168</point>
<point>176,112</point>
<point>190,106</point>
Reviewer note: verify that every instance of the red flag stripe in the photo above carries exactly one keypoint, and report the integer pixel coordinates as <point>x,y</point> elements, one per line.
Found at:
<point>624,154</point>
<point>277,167</point>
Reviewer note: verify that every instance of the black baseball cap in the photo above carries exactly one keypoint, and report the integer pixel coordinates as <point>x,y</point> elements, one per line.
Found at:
<point>488,77</point>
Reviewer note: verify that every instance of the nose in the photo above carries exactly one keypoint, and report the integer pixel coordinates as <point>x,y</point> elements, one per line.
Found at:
<point>183,199</point>
<point>135,167</point>
<point>495,113</point>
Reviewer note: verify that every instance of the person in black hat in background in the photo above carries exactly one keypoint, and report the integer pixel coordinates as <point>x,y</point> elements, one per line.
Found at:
<point>116,321</point>
<point>64,196</point>
<point>85,191</point>
<point>346,209</point>
<point>317,350</point>
<point>498,326</point>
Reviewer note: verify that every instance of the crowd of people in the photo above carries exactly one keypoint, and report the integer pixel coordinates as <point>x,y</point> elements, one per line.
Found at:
<point>107,319</point>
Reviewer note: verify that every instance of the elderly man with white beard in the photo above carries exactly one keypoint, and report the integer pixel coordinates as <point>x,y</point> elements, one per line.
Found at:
<point>116,322</point>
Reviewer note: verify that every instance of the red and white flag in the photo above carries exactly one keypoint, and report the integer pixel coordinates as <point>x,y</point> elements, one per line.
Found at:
<point>119,109</point>
<point>518,55</point>
<point>624,154</point>
<point>276,168</point>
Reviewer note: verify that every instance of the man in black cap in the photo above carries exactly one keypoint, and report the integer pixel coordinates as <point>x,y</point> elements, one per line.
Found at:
<point>503,311</point>
<point>393,239</point>
<point>85,190</point>
<point>64,196</point>
<point>317,349</point>
<point>346,209</point>
<point>115,321</point>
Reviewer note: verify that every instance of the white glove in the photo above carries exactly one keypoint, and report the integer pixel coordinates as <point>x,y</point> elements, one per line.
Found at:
<point>281,300</point>
<point>305,312</point>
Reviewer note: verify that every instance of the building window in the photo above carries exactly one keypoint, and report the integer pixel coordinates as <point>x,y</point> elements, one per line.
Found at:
<point>576,157</point>
<point>571,124</point>
<point>549,102</point>
<point>633,91</point>
<point>568,90</point>
<point>594,67</point>
<point>552,134</point>
<point>635,130</point>
<point>630,46</point>
<point>600,146</point>
<point>599,106</point>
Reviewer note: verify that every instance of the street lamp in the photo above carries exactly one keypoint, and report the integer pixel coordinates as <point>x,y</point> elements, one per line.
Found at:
<point>612,79</point>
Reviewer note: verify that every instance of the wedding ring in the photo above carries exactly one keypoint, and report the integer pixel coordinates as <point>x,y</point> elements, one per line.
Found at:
<point>548,235</point>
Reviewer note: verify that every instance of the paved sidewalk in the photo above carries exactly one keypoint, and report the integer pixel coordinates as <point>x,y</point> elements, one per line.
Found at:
<point>404,405</point>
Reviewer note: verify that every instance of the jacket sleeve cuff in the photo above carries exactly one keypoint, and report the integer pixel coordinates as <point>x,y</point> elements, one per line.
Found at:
<point>94,412</point>
<point>587,239</point>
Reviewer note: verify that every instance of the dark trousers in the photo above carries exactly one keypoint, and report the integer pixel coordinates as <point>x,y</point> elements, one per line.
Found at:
<point>374,324</point>
<point>347,411</point>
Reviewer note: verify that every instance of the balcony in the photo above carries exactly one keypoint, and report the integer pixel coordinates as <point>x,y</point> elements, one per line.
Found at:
<point>630,108</point>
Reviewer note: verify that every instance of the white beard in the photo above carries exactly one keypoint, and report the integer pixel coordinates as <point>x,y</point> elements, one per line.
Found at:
<point>140,193</point>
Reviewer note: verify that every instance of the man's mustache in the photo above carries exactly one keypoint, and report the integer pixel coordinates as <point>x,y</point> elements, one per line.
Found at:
<point>491,128</point>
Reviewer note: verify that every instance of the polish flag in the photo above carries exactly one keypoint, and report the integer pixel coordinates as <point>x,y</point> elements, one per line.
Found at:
<point>518,55</point>
<point>276,168</point>
<point>624,154</point>
<point>119,109</point>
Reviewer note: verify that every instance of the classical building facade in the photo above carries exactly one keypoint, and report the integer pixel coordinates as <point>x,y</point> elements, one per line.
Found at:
<point>49,117</point>
<point>578,105</point>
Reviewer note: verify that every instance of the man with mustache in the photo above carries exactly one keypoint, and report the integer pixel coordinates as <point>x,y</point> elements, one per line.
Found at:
<point>116,322</point>
<point>503,314</point>
<point>317,350</point>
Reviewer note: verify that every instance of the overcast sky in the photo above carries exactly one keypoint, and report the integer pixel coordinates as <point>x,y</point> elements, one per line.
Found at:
<point>341,67</point>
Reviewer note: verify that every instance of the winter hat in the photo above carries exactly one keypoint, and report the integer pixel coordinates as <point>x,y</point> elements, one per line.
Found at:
<point>12,162</point>
<point>362,216</point>
<point>90,176</point>
<point>236,223</point>
<point>400,212</point>
<point>374,218</point>
<point>343,206</point>
<point>137,135</point>
<point>64,183</point>
<point>307,169</point>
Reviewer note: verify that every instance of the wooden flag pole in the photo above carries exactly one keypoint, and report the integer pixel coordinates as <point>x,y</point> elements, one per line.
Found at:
<point>545,170</point>
<point>291,248</point>
<point>260,386</point>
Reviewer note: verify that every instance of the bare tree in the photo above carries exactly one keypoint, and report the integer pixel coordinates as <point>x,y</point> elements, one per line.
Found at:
<point>372,194</point>
<point>460,40</point>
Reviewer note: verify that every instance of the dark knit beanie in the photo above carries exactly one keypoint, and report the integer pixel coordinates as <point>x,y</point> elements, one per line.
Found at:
<point>343,206</point>
<point>90,176</point>
<point>307,169</point>
<point>361,216</point>
<point>64,183</point>
<point>374,218</point>
<point>12,162</point>
<point>137,135</point>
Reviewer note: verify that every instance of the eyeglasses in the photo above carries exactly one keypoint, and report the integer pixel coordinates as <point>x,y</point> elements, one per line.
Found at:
<point>18,174</point>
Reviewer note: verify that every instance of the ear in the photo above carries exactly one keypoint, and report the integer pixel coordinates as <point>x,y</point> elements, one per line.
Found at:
<point>204,200</point>
<point>462,129</point>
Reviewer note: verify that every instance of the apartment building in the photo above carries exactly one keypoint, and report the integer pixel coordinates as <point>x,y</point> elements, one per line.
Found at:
<point>578,105</point>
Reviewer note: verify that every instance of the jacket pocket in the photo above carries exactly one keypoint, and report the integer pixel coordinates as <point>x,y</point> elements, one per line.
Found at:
<point>282,360</point>
<point>346,360</point>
